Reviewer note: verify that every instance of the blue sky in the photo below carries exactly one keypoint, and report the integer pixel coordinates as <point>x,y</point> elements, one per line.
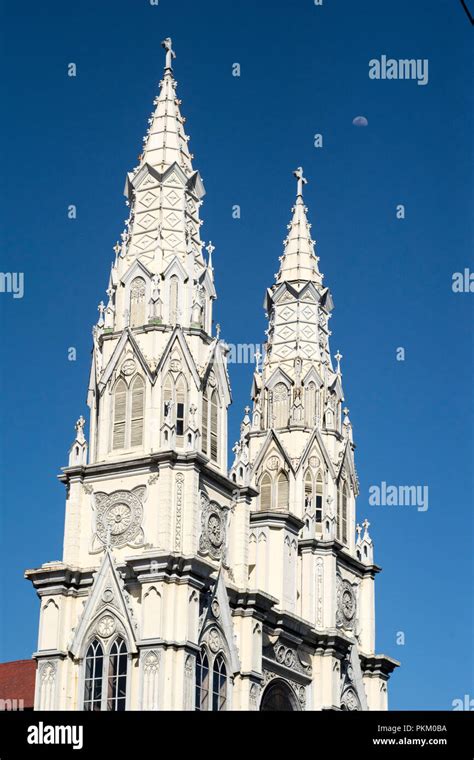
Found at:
<point>304,70</point>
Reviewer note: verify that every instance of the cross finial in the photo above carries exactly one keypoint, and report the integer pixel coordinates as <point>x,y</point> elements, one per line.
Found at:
<point>298,173</point>
<point>338,358</point>
<point>257,357</point>
<point>117,248</point>
<point>366,526</point>
<point>101,309</point>
<point>170,54</point>
<point>345,411</point>
<point>218,330</point>
<point>247,410</point>
<point>210,248</point>
<point>80,429</point>
<point>358,531</point>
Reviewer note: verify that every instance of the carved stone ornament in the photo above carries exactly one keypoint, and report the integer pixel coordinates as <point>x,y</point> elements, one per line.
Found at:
<point>350,700</point>
<point>289,657</point>
<point>106,626</point>
<point>119,517</point>
<point>346,604</point>
<point>214,640</point>
<point>314,461</point>
<point>213,529</point>
<point>273,463</point>
<point>215,609</point>
<point>128,367</point>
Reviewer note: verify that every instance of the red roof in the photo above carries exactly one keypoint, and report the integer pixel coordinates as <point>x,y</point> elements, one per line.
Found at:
<point>17,681</point>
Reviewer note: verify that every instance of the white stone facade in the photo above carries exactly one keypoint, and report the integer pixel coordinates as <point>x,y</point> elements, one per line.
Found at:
<point>183,586</point>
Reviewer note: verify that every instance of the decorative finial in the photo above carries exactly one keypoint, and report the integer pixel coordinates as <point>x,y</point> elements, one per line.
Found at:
<point>170,54</point>
<point>358,531</point>
<point>366,525</point>
<point>257,357</point>
<point>101,309</point>
<point>218,330</point>
<point>298,173</point>
<point>79,427</point>
<point>345,411</point>
<point>338,358</point>
<point>210,249</point>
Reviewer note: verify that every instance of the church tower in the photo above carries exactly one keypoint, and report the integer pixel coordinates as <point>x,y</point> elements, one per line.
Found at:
<point>181,586</point>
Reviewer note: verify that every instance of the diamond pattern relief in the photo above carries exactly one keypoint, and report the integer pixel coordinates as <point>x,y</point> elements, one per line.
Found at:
<point>172,240</point>
<point>286,332</point>
<point>172,219</point>
<point>308,312</point>
<point>144,242</point>
<point>172,198</point>
<point>308,332</point>
<point>145,221</point>
<point>287,313</point>
<point>148,199</point>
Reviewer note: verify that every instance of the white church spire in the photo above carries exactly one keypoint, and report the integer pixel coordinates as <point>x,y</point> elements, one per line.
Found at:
<point>299,262</point>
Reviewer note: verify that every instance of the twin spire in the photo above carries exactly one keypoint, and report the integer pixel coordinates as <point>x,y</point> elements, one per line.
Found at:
<point>299,264</point>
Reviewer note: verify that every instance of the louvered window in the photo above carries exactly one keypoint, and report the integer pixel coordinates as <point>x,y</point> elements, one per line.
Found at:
<point>319,498</point>
<point>138,403</point>
<point>214,427</point>
<point>205,427</point>
<point>266,493</point>
<point>283,492</point>
<point>120,415</point>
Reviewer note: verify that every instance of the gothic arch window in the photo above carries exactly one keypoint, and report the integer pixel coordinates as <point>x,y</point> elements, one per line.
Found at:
<point>219,684</point>
<point>308,491</point>
<point>319,498</point>
<point>105,676</point>
<point>342,497</point>
<point>93,677</point>
<point>210,424</point>
<point>202,681</point>
<point>137,302</point>
<point>175,405</point>
<point>265,492</point>
<point>329,419</point>
<point>137,411</point>
<point>128,414</point>
<point>120,415</point>
<point>117,676</point>
<point>283,487</point>
<point>310,404</point>
<point>174,299</point>
<point>278,696</point>
<point>280,405</point>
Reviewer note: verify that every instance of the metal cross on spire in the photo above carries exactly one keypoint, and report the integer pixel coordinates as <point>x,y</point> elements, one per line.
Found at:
<point>170,54</point>
<point>298,173</point>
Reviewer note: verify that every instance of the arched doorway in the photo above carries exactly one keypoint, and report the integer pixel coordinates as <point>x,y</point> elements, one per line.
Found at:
<point>278,696</point>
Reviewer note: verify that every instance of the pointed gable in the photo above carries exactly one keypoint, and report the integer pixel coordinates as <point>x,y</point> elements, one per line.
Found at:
<point>107,608</point>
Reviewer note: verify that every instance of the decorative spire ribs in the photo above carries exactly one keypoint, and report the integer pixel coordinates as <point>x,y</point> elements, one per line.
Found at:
<point>299,263</point>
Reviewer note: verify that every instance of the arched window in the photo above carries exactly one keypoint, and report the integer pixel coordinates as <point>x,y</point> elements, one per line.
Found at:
<point>202,681</point>
<point>174,302</point>
<point>210,443</point>
<point>175,394</point>
<point>214,427</point>
<point>283,492</point>
<point>128,414</point>
<point>181,391</point>
<point>120,415</point>
<point>308,491</point>
<point>266,493</point>
<point>278,697</point>
<point>94,670</point>
<point>138,403</point>
<point>319,498</point>
<point>205,422</point>
<point>219,684</point>
<point>310,404</point>
<point>117,678</point>
<point>137,302</point>
<point>105,677</point>
<point>280,406</point>
<point>329,420</point>
<point>344,513</point>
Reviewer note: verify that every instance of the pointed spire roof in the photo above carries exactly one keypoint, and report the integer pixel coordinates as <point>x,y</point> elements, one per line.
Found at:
<point>166,141</point>
<point>299,262</point>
